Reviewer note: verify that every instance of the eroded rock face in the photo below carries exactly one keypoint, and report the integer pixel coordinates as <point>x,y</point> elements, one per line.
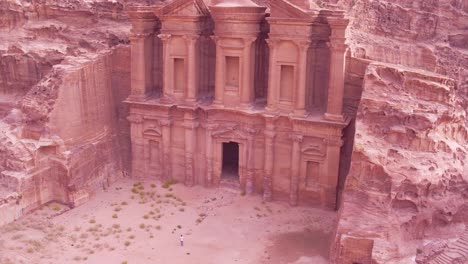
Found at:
<point>62,87</point>
<point>406,192</point>
<point>408,179</point>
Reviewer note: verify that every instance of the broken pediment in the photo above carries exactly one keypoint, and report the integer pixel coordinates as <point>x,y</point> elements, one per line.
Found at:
<point>185,8</point>
<point>285,9</point>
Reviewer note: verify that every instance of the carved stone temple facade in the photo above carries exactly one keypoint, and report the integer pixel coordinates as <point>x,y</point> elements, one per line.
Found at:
<point>236,93</point>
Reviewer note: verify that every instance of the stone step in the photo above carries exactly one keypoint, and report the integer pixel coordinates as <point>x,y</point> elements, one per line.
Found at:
<point>442,261</point>
<point>443,256</point>
<point>459,249</point>
<point>462,241</point>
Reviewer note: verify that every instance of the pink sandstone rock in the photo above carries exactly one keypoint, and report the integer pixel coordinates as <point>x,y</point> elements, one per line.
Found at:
<point>264,91</point>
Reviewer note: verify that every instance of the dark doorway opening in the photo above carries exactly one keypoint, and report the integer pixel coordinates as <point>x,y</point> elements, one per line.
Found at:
<point>230,160</point>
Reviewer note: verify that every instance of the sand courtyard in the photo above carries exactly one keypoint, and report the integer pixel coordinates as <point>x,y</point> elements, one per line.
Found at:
<point>141,221</point>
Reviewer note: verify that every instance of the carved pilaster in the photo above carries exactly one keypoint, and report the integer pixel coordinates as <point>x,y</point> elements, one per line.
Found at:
<point>337,67</point>
<point>300,98</point>
<point>166,138</point>
<point>219,76</point>
<point>209,153</point>
<point>192,69</point>
<point>190,146</point>
<point>273,92</point>
<point>268,164</point>
<point>247,80</point>
<point>167,87</point>
<point>143,26</point>
<point>295,165</point>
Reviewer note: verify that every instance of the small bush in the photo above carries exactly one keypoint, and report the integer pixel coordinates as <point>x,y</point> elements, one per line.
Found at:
<point>115,216</point>
<point>92,221</point>
<point>168,183</point>
<point>127,243</point>
<point>57,208</point>
<point>124,203</point>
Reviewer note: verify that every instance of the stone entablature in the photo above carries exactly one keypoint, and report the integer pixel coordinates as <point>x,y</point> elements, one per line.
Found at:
<point>215,62</point>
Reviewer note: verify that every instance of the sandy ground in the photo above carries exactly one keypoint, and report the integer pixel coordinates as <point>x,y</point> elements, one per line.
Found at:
<point>140,222</point>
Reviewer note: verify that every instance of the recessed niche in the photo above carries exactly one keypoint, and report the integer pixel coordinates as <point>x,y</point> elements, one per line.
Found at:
<point>179,75</point>
<point>232,72</point>
<point>312,173</point>
<point>286,83</point>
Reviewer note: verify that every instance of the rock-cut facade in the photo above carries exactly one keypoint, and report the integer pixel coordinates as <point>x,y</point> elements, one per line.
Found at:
<point>237,84</point>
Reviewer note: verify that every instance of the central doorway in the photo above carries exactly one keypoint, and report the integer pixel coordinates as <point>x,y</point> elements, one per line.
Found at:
<point>230,169</point>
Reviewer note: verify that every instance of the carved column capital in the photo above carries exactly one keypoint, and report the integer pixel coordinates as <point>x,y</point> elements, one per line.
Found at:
<point>165,122</point>
<point>190,124</point>
<point>270,134</point>
<point>303,44</point>
<point>189,39</point>
<point>296,138</point>
<point>337,45</point>
<point>135,119</point>
<point>251,130</point>
<point>335,142</point>
<point>249,40</point>
<point>164,37</point>
<point>216,39</point>
<point>209,126</point>
<point>272,43</point>
<point>137,36</point>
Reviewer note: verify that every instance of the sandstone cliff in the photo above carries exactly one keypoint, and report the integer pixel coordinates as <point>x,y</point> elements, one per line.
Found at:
<point>406,194</point>
<point>64,75</point>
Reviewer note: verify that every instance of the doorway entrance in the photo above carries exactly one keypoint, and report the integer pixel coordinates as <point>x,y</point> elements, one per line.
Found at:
<point>230,169</point>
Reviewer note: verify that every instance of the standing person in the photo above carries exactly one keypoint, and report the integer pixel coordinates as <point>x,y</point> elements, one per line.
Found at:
<point>181,240</point>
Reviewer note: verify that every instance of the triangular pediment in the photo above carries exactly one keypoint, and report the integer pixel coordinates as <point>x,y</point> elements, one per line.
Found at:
<point>285,9</point>
<point>186,8</point>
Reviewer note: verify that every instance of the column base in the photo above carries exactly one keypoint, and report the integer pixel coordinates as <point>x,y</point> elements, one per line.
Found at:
<point>334,117</point>
<point>190,101</point>
<point>245,106</point>
<point>293,201</point>
<point>166,100</point>
<point>217,103</point>
<point>300,113</point>
<point>271,109</point>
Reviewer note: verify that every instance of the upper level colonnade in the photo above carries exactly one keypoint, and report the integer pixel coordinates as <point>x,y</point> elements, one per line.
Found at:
<point>286,58</point>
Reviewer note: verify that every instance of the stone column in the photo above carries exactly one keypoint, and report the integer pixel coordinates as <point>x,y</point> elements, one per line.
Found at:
<point>330,180</point>
<point>295,168</point>
<point>301,79</point>
<point>136,130</point>
<point>249,183</point>
<point>337,69</point>
<point>272,97</point>
<point>219,75</point>
<point>166,139</point>
<point>269,161</point>
<point>143,27</point>
<point>167,71</point>
<point>192,69</point>
<point>190,148</point>
<point>209,154</point>
<point>246,93</point>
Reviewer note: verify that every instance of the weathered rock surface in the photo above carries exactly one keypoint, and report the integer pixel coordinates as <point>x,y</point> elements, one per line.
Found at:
<point>405,197</point>
<point>62,87</point>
